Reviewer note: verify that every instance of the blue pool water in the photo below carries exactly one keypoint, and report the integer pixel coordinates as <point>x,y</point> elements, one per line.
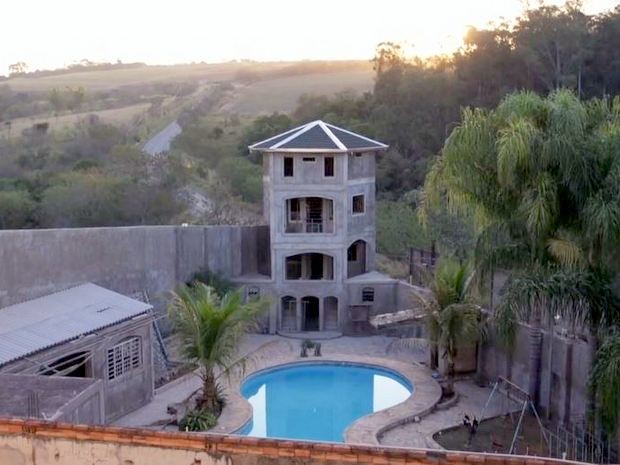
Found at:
<point>318,401</point>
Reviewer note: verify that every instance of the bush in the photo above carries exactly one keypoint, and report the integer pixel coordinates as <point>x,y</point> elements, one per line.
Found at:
<point>221,285</point>
<point>398,229</point>
<point>197,420</point>
<point>245,178</point>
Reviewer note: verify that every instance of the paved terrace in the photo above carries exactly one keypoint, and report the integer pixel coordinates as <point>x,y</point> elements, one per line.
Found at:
<point>395,426</point>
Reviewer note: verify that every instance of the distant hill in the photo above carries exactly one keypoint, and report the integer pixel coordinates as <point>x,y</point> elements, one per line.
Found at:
<point>114,76</point>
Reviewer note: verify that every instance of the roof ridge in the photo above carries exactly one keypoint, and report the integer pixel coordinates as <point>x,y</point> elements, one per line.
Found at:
<point>304,128</point>
<point>277,135</point>
<point>332,136</point>
<point>338,128</point>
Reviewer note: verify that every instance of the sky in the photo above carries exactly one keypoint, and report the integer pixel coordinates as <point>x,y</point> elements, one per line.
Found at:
<point>55,33</point>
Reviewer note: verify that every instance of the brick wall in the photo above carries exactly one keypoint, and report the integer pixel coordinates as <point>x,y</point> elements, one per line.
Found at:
<point>27,442</point>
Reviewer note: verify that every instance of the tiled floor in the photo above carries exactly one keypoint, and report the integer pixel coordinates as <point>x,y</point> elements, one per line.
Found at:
<point>266,350</point>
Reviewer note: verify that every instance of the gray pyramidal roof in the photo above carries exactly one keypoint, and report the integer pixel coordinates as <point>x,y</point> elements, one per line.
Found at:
<point>317,136</point>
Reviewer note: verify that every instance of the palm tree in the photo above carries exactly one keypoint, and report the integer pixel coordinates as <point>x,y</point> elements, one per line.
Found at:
<point>540,180</point>
<point>452,319</point>
<point>210,329</point>
<point>606,373</point>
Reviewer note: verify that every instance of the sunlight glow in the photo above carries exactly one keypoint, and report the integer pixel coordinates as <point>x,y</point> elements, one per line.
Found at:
<point>48,34</point>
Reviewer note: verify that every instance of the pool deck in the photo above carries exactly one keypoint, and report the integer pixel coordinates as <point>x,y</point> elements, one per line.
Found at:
<point>411,423</point>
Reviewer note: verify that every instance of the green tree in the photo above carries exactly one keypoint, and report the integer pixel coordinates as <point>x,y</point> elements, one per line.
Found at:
<point>540,179</point>
<point>16,209</point>
<point>451,317</point>
<point>606,375</point>
<point>210,329</point>
<point>262,128</point>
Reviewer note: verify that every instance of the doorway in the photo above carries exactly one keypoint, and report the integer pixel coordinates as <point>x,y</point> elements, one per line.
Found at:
<point>310,312</point>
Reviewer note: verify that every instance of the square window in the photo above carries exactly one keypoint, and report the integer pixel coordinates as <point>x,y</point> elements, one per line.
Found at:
<point>124,357</point>
<point>329,167</point>
<point>288,167</point>
<point>358,204</point>
<point>253,293</point>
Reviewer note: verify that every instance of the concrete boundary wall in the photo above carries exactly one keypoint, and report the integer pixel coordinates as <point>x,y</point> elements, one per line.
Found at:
<point>564,371</point>
<point>25,442</point>
<point>34,263</point>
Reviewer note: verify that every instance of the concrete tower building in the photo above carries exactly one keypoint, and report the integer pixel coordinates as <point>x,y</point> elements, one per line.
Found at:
<point>319,200</point>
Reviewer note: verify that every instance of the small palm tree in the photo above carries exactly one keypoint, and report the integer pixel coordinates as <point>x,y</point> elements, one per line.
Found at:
<point>210,329</point>
<point>452,319</point>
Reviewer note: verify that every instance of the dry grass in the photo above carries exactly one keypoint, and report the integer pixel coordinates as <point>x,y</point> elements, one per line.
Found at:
<point>116,116</point>
<point>281,94</point>
<point>108,79</point>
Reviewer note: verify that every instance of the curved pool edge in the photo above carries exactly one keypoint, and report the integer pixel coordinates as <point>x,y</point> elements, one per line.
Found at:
<point>237,413</point>
<point>427,393</point>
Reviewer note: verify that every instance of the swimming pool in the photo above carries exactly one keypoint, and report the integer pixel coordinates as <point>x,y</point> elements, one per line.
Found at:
<point>318,401</point>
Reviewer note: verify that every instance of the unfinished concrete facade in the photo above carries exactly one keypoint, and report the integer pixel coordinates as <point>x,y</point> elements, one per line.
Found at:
<point>90,345</point>
<point>319,201</point>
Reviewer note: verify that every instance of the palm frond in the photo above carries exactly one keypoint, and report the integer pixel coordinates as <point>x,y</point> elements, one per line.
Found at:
<point>605,377</point>
<point>565,251</point>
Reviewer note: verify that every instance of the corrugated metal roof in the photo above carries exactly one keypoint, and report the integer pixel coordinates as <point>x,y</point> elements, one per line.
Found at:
<point>38,324</point>
<point>318,136</point>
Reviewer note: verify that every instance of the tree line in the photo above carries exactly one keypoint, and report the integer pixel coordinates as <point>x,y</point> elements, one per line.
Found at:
<point>417,102</point>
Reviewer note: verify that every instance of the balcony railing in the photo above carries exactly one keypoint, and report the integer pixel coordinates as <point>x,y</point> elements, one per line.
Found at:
<point>310,226</point>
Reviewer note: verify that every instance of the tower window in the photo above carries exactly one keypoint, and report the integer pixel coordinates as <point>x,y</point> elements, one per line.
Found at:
<point>329,167</point>
<point>358,204</point>
<point>253,293</point>
<point>294,210</point>
<point>288,167</point>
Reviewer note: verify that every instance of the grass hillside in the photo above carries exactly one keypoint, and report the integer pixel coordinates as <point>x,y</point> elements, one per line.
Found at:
<point>281,94</point>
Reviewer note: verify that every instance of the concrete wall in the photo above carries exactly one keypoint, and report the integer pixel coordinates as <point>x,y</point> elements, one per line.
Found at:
<point>361,166</point>
<point>86,408</point>
<point>564,370</point>
<point>34,263</point>
<point>40,443</point>
<point>58,398</point>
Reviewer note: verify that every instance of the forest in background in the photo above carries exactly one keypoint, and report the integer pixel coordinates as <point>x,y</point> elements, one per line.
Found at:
<point>413,106</point>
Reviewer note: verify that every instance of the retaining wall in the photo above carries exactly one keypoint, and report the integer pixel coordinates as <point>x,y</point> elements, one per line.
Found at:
<point>25,442</point>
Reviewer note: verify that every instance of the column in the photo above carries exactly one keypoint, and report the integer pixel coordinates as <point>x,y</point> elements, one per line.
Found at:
<point>321,314</point>
<point>298,314</point>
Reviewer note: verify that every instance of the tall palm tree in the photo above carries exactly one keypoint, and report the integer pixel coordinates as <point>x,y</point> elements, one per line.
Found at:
<point>540,180</point>
<point>452,319</point>
<point>210,329</point>
<point>606,372</point>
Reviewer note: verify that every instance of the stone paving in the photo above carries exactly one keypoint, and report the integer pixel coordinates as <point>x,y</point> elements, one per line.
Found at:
<point>471,402</point>
<point>268,350</point>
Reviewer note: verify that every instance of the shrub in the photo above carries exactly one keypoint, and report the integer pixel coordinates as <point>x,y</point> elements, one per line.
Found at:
<point>197,420</point>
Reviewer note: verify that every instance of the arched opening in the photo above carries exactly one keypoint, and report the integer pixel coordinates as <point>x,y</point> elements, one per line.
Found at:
<point>76,365</point>
<point>309,215</point>
<point>330,313</point>
<point>356,258</point>
<point>288,313</point>
<point>310,266</point>
<point>310,313</point>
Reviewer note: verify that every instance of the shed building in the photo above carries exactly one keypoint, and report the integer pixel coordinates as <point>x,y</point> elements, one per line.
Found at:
<point>86,332</point>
